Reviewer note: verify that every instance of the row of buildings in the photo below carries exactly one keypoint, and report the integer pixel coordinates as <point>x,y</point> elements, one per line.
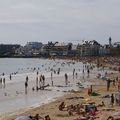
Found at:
<point>87,48</point>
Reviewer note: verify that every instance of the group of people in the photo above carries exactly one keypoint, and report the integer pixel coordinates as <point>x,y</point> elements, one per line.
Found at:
<point>40,83</point>
<point>115,81</point>
<point>26,84</point>
<point>2,82</point>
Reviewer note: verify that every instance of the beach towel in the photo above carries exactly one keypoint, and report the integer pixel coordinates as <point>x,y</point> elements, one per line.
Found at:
<point>117,113</point>
<point>75,97</point>
<point>24,118</point>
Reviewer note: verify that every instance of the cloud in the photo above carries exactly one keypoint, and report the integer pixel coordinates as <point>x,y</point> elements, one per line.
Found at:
<point>59,19</point>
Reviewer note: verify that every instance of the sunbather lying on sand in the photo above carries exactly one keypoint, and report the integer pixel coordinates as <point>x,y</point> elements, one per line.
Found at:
<point>62,106</point>
<point>101,105</point>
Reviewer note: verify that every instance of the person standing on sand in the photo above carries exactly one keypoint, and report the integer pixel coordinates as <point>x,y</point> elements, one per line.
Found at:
<point>90,90</point>
<point>112,100</point>
<point>108,84</point>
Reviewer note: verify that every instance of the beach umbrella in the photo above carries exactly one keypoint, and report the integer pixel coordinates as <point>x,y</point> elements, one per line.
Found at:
<point>23,118</point>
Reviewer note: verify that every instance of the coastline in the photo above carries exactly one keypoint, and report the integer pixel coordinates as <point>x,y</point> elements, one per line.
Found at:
<point>52,110</point>
<point>49,108</point>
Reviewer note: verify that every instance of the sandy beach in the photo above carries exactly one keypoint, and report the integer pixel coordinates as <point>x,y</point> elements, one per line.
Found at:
<point>73,96</point>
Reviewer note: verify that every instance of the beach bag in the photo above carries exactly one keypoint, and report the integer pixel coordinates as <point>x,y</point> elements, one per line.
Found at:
<point>94,94</point>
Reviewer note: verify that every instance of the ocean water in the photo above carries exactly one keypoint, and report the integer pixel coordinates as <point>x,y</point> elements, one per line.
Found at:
<point>25,65</point>
<point>13,96</point>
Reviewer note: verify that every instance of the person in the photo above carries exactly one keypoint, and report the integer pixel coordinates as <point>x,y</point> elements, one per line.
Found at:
<point>47,117</point>
<point>61,106</point>
<point>58,72</point>
<point>10,77</point>
<point>3,74</point>
<point>76,75</point>
<point>4,82</point>
<point>43,78</point>
<point>101,105</point>
<point>37,72</point>
<point>73,72</point>
<point>114,82</point>
<point>117,98</point>
<point>92,111</point>
<point>88,71</point>
<point>108,84</point>
<point>40,82</point>
<point>91,87</point>
<point>83,71</point>
<point>51,75</point>
<point>26,85</point>
<point>66,79</point>
<point>112,100</point>
<point>51,78</point>
<point>36,83</point>
<point>89,91</point>
<point>27,78</point>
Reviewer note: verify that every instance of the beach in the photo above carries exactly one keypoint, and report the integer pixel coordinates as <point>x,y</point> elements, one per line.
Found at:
<point>50,98</point>
<point>13,95</point>
<point>52,110</point>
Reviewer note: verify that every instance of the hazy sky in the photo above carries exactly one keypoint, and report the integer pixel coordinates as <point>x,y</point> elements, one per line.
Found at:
<point>59,20</point>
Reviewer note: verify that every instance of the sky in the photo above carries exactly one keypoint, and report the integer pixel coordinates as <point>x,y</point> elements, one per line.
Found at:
<point>22,21</point>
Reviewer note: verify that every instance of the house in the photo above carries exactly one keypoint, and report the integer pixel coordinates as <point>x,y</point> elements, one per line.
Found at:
<point>8,49</point>
<point>30,49</point>
<point>59,49</point>
<point>88,48</point>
